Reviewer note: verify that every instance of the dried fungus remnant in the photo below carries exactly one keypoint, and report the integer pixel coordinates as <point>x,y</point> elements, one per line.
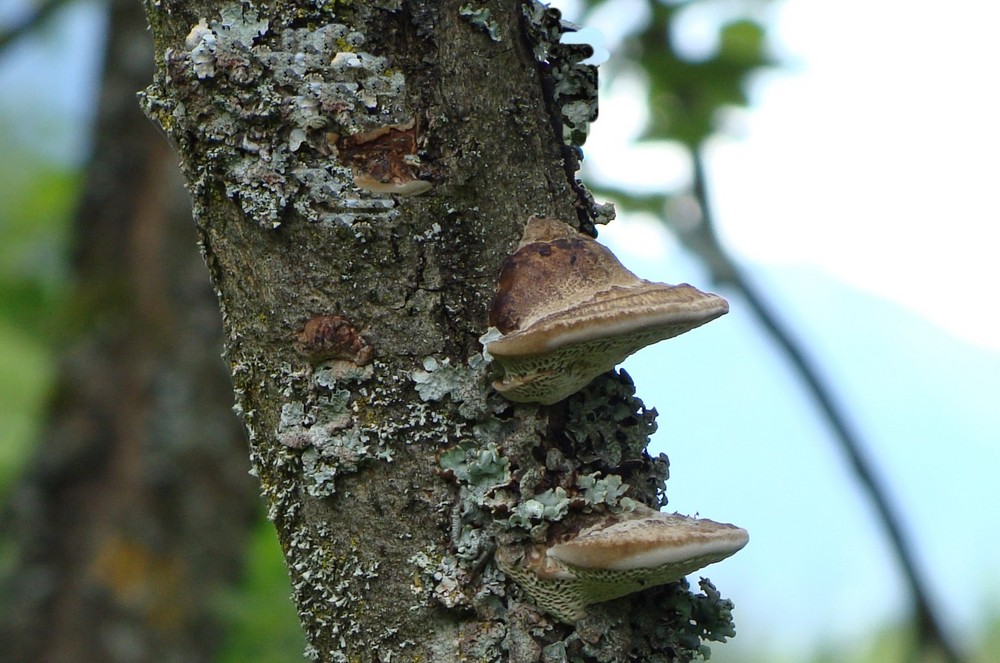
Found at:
<point>333,337</point>
<point>384,160</point>
<point>567,310</point>
<point>620,554</point>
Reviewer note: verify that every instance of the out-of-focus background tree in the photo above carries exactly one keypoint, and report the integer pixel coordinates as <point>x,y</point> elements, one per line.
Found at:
<point>841,158</point>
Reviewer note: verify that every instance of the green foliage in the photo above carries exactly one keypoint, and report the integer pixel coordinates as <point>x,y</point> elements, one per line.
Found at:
<point>37,200</point>
<point>34,222</point>
<point>26,371</point>
<point>685,94</point>
<point>263,625</point>
<point>989,645</point>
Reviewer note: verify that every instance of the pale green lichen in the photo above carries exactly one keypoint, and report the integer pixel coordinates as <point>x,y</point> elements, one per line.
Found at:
<point>453,583</point>
<point>480,470</point>
<point>555,653</point>
<point>492,489</point>
<point>609,490</point>
<point>332,583</point>
<point>611,398</point>
<point>481,18</point>
<point>464,384</point>
<point>533,515</point>
<point>337,455</point>
<point>574,83</point>
<point>343,579</point>
<point>265,93</point>
<point>322,422</point>
<point>572,91</point>
<point>502,504</point>
<point>331,373</point>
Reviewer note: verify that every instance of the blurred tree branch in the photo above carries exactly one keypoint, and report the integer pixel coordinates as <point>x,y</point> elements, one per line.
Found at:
<point>133,513</point>
<point>702,240</point>
<point>35,20</point>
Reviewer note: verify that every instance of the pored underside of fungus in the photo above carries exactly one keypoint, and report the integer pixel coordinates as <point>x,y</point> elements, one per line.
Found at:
<point>615,555</point>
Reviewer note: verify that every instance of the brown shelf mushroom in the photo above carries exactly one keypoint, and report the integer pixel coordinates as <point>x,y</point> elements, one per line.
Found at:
<point>567,310</point>
<point>619,554</point>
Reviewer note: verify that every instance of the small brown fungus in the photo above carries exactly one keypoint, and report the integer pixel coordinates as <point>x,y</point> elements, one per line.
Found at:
<point>615,555</point>
<point>384,160</point>
<point>333,337</point>
<point>567,310</point>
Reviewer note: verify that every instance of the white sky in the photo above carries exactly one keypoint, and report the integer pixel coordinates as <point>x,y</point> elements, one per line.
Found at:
<point>871,155</point>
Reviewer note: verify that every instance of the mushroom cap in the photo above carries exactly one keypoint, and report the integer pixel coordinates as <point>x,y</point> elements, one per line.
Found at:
<point>648,311</point>
<point>568,311</point>
<point>650,540</point>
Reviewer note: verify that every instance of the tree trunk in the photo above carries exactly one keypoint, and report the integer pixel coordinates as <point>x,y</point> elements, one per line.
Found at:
<point>136,509</point>
<point>360,171</point>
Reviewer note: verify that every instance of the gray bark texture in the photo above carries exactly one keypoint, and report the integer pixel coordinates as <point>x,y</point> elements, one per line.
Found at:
<point>135,510</point>
<point>353,307</point>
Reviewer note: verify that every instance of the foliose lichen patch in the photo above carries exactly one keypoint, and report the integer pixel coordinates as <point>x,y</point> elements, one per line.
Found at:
<point>480,17</point>
<point>321,419</point>
<point>571,91</point>
<point>344,579</point>
<point>300,90</point>
<point>574,84</point>
<point>519,481</point>
<point>464,384</point>
<point>331,425</point>
<point>615,451</point>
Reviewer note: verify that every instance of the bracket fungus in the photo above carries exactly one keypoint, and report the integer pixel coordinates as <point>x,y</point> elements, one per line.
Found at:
<point>567,310</point>
<point>620,554</point>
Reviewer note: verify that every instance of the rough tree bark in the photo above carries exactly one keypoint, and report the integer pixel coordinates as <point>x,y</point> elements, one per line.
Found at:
<point>353,307</point>
<point>136,509</point>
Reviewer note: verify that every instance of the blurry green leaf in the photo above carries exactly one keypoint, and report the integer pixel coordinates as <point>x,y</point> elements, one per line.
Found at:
<point>26,374</point>
<point>34,229</point>
<point>742,43</point>
<point>263,624</point>
<point>685,95</point>
<point>38,197</point>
